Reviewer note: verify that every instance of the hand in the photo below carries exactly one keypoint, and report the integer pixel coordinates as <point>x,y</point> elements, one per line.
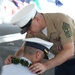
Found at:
<point>8,59</point>
<point>38,68</point>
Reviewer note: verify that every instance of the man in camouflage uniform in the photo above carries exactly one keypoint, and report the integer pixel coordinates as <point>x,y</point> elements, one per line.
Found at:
<point>59,29</point>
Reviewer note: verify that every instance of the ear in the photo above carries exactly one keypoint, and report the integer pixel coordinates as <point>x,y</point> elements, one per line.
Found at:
<point>36,18</point>
<point>38,55</point>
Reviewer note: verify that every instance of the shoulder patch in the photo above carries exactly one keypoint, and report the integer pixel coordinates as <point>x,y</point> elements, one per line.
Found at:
<point>67,29</point>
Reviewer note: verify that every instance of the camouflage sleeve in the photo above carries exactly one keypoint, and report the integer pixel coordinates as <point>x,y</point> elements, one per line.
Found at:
<point>65,29</point>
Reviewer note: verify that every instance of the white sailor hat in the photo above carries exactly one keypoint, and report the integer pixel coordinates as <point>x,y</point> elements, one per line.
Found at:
<point>39,44</point>
<point>24,17</point>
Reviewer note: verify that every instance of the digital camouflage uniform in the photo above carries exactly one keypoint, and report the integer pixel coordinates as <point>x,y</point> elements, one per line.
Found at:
<point>60,31</point>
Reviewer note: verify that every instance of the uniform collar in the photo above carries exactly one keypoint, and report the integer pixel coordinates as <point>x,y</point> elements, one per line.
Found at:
<point>50,24</point>
<point>24,58</point>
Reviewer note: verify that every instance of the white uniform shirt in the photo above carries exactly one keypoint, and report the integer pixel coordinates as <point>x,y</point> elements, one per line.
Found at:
<point>17,69</point>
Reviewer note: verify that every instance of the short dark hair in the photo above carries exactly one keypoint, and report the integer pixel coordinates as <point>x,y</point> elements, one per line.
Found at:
<point>29,50</point>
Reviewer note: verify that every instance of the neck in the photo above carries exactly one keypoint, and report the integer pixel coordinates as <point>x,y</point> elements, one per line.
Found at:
<point>28,57</point>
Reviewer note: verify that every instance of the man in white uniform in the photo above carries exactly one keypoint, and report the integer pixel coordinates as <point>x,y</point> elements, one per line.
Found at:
<point>35,50</point>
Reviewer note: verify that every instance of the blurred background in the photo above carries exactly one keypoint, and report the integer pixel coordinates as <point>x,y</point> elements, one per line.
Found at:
<point>10,37</point>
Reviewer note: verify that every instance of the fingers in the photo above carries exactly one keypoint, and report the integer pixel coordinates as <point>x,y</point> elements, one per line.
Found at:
<point>40,72</point>
<point>8,60</point>
<point>37,68</point>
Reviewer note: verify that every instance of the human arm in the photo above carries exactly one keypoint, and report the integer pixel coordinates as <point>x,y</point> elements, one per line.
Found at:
<point>65,31</point>
<point>17,54</point>
<point>60,58</point>
<point>20,51</point>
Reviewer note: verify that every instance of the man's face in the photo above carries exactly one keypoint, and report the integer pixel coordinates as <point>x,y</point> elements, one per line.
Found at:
<point>35,27</point>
